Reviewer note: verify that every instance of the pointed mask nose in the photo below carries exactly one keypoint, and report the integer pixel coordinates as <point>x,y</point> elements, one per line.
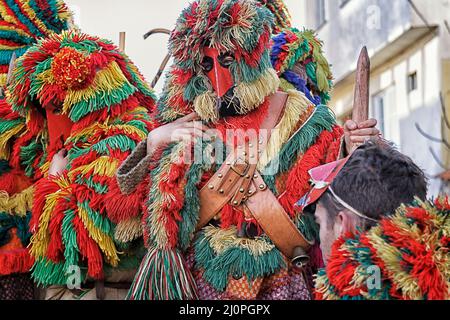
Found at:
<point>220,76</point>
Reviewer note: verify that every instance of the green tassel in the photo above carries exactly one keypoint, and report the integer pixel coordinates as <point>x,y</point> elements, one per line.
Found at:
<point>48,273</point>
<point>191,207</point>
<point>163,275</point>
<point>100,101</point>
<point>234,261</point>
<point>118,142</point>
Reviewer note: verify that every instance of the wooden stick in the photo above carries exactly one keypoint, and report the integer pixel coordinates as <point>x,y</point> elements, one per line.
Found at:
<point>157,30</point>
<point>160,71</point>
<point>122,37</point>
<point>167,57</point>
<point>361,98</point>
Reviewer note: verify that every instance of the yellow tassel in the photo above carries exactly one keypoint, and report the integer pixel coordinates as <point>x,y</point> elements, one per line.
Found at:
<point>252,95</point>
<point>105,242</point>
<point>128,230</point>
<point>4,139</point>
<point>7,17</point>
<point>103,166</point>
<point>392,258</point>
<point>46,77</point>
<point>3,79</point>
<point>157,221</point>
<point>41,239</point>
<point>100,130</point>
<point>19,204</point>
<point>106,80</point>
<point>205,106</point>
<point>322,287</point>
<point>3,47</point>
<point>285,86</point>
<point>222,240</point>
<point>8,28</point>
<point>296,106</point>
<point>33,17</point>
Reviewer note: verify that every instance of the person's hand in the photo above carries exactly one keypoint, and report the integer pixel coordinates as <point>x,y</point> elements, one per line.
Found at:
<point>358,134</point>
<point>58,164</point>
<point>186,128</point>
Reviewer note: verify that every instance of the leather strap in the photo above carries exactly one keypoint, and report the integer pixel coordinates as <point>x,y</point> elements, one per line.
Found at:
<point>239,183</point>
<point>276,223</point>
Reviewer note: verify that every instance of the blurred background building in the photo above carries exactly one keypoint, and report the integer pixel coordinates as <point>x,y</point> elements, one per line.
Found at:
<point>409,46</point>
<point>408,42</point>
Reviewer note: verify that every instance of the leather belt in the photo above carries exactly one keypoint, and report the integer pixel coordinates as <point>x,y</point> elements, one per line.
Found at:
<point>238,183</point>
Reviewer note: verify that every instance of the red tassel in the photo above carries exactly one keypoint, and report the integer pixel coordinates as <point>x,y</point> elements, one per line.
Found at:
<point>89,250</point>
<point>43,187</point>
<point>55,250</point>
<point>15,261</point>
<point>120,207</point>
<point>228,216</point>
<point>14,182</point>
<point>14,258</point>
<point>316,257</point>
<point>341,269</point>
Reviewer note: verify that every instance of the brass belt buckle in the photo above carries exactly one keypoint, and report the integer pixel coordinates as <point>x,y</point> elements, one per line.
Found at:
<point>244,172</point>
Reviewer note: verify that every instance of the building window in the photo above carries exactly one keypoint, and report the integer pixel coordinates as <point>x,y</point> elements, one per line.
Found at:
<point>379,102</point>
<point>321,18</point>
<point>385,111</point>
<point>412,82</point>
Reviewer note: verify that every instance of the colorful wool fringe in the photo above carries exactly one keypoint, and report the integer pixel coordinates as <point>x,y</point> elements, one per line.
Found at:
<point>408,253</point>
<point>22,22</point>
<point>109,102</point>
<point>298,58</point>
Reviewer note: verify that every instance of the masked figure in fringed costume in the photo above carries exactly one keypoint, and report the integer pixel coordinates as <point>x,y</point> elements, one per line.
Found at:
<point>298,59</point>
<point>21,24</point>
<point>223,225</point>
<point>83,107</point>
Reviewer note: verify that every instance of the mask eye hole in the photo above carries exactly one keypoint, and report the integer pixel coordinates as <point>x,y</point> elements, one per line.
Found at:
<point>207,64</point>
<point>226,59</point>
<point>57,111</point>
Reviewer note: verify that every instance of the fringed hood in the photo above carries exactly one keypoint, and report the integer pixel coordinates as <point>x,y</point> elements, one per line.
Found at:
<point>298,59</point>
<point>242,27</point>
<point>406,256</point>
<point>22,22</point>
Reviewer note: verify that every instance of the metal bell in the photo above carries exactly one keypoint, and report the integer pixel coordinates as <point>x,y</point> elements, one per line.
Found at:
<point>301,258</point>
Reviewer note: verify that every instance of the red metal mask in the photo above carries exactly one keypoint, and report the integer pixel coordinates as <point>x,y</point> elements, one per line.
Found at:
<point>217,68</point>
<point>59,125</point>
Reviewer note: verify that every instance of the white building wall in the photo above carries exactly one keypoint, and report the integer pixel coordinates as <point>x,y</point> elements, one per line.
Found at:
<point>404,109</point>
